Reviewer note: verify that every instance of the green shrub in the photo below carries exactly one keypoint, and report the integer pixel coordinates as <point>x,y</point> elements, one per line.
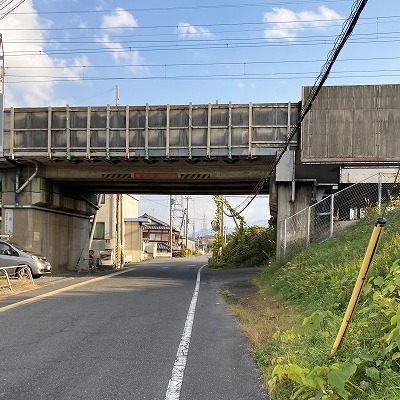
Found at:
<point>246,247</point>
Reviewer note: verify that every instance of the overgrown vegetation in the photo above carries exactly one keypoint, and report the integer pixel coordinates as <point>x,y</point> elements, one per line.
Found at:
<point>249,247</point>
<point>318,282</point>
<point>246,246</point>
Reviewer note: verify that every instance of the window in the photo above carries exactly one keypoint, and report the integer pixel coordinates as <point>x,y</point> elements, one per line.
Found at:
<point>6,249</point>
<point>99,230</point>
<point>155,237</point>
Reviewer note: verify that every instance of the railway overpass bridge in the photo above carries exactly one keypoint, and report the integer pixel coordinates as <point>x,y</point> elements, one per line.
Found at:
<point>56,159</point>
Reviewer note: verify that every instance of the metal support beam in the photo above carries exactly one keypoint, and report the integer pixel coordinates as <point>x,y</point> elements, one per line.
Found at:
<point>190,131</point>
<point>146,134</point>
<point>49,116</point>
<point>167,152</point>
<point>250,150</point>
<point>88,119</point>
<point>108,155</point>
<point>209,131</point>
<point>230,131</point>
<point>127,153</point>
<point>68,132</point>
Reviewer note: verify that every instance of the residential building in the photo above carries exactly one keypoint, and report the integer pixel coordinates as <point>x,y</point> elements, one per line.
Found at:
<point>109,235</point>
<point>157,233</point>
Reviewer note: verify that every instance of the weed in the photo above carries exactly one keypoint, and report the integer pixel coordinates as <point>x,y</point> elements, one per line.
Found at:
<point>316,284</point>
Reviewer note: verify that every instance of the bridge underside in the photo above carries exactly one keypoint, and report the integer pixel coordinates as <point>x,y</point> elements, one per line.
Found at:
<point>159,176</point>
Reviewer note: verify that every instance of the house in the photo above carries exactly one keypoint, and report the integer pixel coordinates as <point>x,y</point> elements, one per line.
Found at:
<point>157,233</point>
<point>109,234</point>
<point>120,236</point>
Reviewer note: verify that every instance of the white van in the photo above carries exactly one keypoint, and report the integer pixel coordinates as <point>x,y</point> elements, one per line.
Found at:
<point>16,256</point>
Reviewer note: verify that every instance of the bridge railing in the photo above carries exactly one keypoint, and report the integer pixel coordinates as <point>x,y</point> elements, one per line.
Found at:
<point>325,218</point>
<point>227,130</point>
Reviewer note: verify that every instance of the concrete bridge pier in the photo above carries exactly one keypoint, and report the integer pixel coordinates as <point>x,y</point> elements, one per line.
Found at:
<point>287,199</point>
<point>45,217</point>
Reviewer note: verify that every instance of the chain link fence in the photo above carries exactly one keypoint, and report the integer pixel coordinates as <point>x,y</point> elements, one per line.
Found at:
<point>325,218</point>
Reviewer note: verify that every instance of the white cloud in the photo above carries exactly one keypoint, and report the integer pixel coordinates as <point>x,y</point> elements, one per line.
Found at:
<point>187,31</point>
<point>120,18</point>
<point>28,69</point>
<point>286,24</point>
<point>246,85</point>
<point>122,55</point>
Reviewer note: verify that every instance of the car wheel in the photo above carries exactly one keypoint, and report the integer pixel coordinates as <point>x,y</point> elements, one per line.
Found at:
<point>24,272</point>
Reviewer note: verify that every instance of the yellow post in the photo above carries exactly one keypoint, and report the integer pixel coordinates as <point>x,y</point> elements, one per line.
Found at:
<point>369,255</point>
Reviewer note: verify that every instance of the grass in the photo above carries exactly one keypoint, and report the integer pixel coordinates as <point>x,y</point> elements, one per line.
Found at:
<point>18,286</point>
<point>260,316</point>
<point>293,319</point>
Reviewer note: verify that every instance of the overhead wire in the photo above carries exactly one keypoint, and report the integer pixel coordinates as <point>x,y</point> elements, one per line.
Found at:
<point>15,6</point>
<point>241,76</point>
<point>340,41</point>
<point>374,20</point>
<point>211,40</point>
<point>196,8</point>
<point>205,64</point>
<point>175,48</point>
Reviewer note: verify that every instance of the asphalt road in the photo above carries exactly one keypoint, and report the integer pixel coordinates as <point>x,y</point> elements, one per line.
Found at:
<point>158,330</point>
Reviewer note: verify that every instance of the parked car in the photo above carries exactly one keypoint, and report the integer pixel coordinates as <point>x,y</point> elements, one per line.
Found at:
<point>16,256</point>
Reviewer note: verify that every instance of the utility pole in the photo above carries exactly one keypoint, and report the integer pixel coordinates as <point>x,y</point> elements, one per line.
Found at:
<point>117,248</point>
<point>1,94</point>
<point>178,213</point>
<point>222,220</point>
<point>187,221</point>
<point>170,223</point>
<point>119,228</point>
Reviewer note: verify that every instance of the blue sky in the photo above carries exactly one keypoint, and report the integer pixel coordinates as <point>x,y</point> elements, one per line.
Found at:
<point>61,52</point>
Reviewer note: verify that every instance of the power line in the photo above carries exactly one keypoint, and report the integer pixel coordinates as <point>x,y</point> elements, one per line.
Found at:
<point>368,21</point>
<point>10,10</point>
<point>205,25</point>
<point>205,64</point>
<point>196,78</point>
<point>274,75</point>
<point>347,30</point>
<point>174,48</point>
<point>176,42</point>
<point>175,8</point>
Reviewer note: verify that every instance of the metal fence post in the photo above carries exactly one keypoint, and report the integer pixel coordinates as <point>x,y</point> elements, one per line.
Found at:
<point>284,236</point>
<point>308,238</point>
<point>332,214</point>
<point>379,192</point>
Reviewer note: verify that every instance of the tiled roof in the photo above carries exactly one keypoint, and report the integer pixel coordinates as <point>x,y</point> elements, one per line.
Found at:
<point>155,224</point>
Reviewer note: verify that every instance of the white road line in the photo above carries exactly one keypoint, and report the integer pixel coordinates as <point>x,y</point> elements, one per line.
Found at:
<point>175,383</point>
